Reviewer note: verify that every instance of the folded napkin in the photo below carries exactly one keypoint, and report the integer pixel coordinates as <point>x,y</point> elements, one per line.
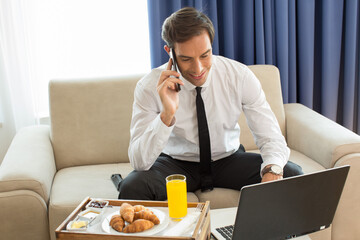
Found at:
<point>184,225</point>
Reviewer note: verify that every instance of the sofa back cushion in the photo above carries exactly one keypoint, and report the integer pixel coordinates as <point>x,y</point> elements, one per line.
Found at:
<point>90,120</point>
<point>269,78</point>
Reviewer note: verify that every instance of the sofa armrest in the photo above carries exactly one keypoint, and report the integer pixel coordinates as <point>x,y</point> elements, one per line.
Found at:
<point>331,145</point>
<point>347,218</point>
<point>318,137</point>
<point>24,215</point>
<point>29,162</point>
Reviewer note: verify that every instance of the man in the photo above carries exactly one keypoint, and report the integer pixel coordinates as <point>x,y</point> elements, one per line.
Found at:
<point>167,128</point>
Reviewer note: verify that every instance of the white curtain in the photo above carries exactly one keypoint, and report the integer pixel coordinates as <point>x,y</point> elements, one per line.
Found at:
<point>7,127</point>
<point>47,39</point>
<point>42,40</point>
<point>17,95</point>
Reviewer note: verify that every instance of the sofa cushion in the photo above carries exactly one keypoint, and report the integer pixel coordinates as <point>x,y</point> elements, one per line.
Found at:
<point>219,197</point>
<point>308,165</point>
<point>90,120</point>
<point>73,185</point>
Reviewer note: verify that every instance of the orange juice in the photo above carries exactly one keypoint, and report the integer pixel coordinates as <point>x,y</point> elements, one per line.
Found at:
<point>177,197</point>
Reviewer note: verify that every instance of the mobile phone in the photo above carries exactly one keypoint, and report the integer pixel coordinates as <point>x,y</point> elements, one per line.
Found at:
<point>174,66</point>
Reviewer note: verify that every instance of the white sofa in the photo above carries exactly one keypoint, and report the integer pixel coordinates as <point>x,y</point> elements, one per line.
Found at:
<point>49,170</point>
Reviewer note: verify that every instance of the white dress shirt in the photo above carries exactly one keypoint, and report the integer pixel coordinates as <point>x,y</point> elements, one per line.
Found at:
<point>230,89</point>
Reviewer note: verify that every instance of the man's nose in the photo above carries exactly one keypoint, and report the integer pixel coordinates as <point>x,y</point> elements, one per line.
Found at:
<point>198,67</point>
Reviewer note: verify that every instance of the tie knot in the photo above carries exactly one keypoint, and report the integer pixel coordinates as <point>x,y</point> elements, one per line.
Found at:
<point>198,90</point>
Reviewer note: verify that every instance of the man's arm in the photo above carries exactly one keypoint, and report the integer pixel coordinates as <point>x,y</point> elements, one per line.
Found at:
<point>264,127</point>
<point>148,136</point>
<point>152,122</point>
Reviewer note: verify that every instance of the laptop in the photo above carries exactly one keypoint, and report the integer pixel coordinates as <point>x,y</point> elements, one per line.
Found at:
<point>283,209</point>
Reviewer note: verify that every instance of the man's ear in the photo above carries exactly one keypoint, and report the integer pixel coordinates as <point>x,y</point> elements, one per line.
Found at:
<point>167,49</point>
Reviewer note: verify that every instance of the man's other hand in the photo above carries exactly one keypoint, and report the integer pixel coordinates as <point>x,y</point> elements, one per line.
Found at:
<point>268,177</point>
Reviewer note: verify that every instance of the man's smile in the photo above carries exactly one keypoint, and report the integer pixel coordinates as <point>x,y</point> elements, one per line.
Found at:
<point>197,77</point>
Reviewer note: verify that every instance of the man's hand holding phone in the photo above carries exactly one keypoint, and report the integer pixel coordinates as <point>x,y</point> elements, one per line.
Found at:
<point>168,93</point>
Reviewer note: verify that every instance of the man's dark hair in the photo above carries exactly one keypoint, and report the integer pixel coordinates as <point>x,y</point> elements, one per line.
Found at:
<point>185,24</point>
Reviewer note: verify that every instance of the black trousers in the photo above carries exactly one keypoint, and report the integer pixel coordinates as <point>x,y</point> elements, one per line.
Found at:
<point>235,171</point>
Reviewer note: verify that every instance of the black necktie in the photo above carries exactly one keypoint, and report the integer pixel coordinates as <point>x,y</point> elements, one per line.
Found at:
<point>204,142</point>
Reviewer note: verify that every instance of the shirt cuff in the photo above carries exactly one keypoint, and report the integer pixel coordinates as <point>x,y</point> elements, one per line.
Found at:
<point>162,130</point>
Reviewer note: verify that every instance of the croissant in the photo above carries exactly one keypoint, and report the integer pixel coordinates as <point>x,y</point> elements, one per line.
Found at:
<point>138,225</point>
<point>138,208</point>
<point>147,215</point>
<point>117,223</point>
<point>127,212</point>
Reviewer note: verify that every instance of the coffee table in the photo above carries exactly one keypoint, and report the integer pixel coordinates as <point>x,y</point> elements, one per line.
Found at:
<point>223,216</point>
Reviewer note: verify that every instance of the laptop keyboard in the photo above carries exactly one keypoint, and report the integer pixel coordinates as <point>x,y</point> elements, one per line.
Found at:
<point>226,231</point>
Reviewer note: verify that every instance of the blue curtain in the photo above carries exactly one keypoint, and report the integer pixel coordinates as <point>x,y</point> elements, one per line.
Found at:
<point>314,43</point>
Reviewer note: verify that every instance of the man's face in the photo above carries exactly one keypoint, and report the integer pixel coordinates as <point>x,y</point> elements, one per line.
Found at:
<point>194,58</point>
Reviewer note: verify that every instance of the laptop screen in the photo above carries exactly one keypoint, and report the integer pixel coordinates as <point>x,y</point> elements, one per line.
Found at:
<point>290,207</point>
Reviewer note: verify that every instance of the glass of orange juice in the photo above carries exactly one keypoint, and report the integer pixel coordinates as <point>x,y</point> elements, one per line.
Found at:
<point>177,196</point>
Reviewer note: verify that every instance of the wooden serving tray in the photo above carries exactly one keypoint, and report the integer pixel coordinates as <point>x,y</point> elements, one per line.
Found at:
<point>201,232</point>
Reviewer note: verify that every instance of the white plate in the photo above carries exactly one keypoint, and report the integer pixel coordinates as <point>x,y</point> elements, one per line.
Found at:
<point>164,221</point>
